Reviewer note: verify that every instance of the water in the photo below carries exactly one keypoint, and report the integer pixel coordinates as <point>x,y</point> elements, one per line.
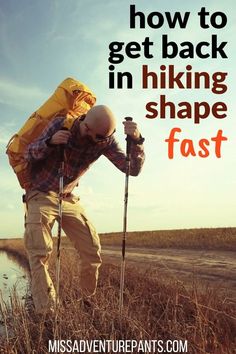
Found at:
<point>12,278</point>
<point>12,275</point>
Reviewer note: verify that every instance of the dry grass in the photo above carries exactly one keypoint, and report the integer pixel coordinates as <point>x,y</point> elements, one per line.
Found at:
<point>154,308</point>
<point>223,239</point>
<point>206,239</point>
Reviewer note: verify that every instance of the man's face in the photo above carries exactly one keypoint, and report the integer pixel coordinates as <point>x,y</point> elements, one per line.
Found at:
<point>98,125</point>
<point>91,133</point>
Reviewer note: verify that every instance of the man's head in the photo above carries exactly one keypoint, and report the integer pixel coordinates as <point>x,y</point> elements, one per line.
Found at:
<point>99,123</point>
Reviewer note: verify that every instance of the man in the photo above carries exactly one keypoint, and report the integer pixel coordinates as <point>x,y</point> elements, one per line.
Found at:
<point>91,136</point>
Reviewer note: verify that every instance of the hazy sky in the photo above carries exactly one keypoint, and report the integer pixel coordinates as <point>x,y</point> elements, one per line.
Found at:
<point>43,42</point>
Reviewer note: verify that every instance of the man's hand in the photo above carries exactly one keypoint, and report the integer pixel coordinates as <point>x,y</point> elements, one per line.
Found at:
<point>131,129</point>
<point>60,137</point>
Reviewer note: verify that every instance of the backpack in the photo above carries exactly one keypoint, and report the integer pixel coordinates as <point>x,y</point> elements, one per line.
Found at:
<point>71,99</point>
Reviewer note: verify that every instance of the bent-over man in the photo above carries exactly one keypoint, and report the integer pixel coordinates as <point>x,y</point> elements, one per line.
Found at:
<point>91,136</point>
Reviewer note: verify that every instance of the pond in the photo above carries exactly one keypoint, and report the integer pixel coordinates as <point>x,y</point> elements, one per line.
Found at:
<point>12,276</point>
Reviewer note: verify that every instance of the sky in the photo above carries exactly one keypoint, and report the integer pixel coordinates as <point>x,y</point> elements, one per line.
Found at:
<point>43,42</point>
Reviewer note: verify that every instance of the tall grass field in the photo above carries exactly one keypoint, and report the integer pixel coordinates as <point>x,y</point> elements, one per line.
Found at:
<point>156,307</point>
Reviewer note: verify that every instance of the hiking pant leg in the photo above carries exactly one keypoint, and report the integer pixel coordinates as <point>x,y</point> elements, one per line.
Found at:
<point>42,211</point>
<point>86,241</point>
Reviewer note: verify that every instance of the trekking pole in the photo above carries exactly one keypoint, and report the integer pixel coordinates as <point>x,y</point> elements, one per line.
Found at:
<point>127,172</point>
<point>60,196</point>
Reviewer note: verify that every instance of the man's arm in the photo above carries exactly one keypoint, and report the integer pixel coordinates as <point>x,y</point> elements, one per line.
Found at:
<point>41,147</point>
<point>117,156</point>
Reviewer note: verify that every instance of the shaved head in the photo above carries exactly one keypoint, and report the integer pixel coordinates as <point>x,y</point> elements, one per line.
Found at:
<point>100,120</point>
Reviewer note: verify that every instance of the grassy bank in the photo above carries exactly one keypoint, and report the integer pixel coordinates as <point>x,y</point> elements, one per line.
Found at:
<point>205,239</point>
<point>154,308</point>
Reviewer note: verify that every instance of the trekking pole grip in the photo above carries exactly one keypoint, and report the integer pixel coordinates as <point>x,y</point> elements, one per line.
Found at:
<point>62,147</point>
<point>61,152</point>
<point>128,138</point>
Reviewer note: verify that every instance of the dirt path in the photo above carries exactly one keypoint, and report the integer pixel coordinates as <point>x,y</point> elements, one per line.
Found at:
<point>215,267</point>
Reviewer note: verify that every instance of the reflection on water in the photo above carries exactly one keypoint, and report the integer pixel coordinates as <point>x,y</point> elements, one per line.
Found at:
<point>12,275</point>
